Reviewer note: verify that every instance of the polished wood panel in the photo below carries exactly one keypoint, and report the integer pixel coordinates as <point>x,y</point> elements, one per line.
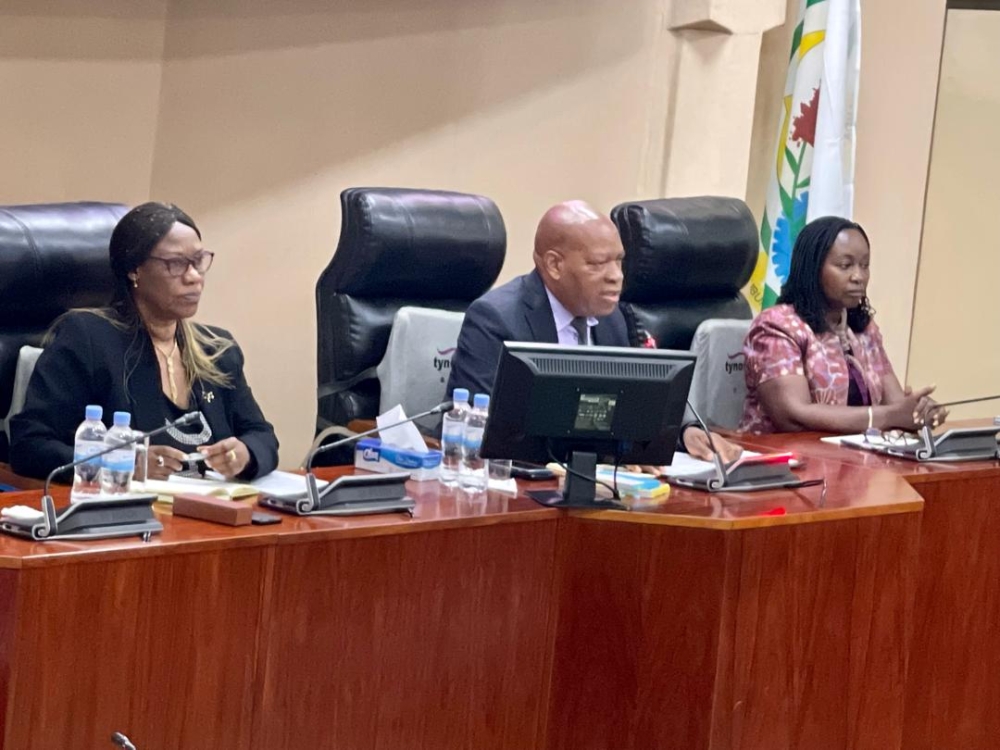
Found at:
<point>821,637</point>
<point>783,637</point>
<point>812,448</point>
<point>953,683</point>
<point>953,694</point>
<point>437,640</point>
<point>848,494</point>
<point>483,621</point>
<point>160,648</point>
<point>638,646</point>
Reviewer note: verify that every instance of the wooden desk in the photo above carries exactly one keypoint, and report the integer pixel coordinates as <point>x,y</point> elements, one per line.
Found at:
<point>489,623</point>
<point>953,680</point>
<point>713,624</point>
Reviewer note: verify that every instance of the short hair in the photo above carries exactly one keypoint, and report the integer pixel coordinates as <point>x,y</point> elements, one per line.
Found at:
<point>804,288</point>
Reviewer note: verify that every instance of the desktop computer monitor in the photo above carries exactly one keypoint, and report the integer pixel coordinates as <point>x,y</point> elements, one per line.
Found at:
<point>578,404</point>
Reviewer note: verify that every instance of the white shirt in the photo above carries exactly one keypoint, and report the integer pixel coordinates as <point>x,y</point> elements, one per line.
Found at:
<point>564,323</point>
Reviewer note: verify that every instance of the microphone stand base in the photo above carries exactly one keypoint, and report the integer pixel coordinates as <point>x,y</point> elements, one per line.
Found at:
<point>399,505</point>
<point>350,495</point>
<point>556,499</point>
<point>104,518</point>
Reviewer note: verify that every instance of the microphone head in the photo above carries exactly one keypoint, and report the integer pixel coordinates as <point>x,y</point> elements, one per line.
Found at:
<point>444,406</point>
<point>191,416</point>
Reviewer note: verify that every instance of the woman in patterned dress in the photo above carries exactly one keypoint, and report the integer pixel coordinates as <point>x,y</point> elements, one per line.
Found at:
<point>815,361</point>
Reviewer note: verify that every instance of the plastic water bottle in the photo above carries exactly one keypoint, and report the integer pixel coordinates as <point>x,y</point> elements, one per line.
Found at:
<point>89,440</point>
<point>452,436</point>
<point>118,465</point>
<point>474,469</point>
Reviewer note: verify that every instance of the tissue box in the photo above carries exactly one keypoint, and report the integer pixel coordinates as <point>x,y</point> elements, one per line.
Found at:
<point>371,455</point>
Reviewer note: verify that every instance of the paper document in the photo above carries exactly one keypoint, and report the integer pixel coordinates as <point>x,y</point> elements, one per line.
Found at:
<point>875,442</point>
<point>684,465</point>
<point>284,484</point>
<point>175,485</point>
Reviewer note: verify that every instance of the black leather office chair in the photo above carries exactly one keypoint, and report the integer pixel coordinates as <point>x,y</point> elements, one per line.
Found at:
<point>686,260</point>
<point>53,257</point>
<point>397,247</point>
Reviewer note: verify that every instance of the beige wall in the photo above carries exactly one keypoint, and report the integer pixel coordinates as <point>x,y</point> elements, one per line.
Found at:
<point>900,52</point>
<point>269,110</point>
<point>254,115</point>
<point>80,85</point>
<point>954,334</point>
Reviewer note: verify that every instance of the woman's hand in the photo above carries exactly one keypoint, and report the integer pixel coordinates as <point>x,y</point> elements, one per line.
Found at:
<point>927,412</point>
<point>915,409</point>
<point>228,456</point>
<point>697,445</point>
<point>163,461</point>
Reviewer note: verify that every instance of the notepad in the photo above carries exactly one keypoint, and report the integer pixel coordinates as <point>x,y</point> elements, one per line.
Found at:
<point>166,490</point>
<point>284,484</point>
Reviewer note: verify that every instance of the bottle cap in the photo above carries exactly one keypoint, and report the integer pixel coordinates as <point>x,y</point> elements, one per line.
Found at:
<point>481,401</point>
<point>122,419</point>
<point>460,395</point>
<point>94,411</point>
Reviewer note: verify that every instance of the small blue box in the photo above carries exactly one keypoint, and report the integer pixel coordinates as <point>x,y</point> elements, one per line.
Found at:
<point>371,455</point>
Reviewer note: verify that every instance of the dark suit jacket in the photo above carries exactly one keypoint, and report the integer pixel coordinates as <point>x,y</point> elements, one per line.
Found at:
<point>517,311</point>
<point>86,364</point>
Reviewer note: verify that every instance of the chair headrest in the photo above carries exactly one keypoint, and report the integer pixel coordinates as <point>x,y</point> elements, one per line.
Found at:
<point>686,248</point>
<point>418,244</point>
<point>54,257</point>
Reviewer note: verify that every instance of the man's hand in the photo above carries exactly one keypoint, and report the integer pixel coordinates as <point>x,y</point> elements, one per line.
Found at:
<point>696,444</point>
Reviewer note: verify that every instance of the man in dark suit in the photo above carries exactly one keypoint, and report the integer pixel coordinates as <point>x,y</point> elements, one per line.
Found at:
<point>572,294</point>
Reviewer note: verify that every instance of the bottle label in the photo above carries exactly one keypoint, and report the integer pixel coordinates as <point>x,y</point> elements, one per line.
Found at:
<point>82,452</point>
<point>120,461</point>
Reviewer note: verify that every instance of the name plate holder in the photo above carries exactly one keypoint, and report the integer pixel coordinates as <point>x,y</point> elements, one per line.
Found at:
<point>350,495</point>
<point>101,518</point>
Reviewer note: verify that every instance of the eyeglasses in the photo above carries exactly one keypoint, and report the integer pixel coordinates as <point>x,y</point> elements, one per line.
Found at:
<point>890,438</point>
<point>178,266</point>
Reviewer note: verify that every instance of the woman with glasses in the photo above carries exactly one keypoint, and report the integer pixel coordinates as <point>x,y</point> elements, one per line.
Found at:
<point>815,361</point>
<point>145,355</point>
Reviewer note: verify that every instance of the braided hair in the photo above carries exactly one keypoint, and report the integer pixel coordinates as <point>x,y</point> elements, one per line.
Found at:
<point>804,289</point>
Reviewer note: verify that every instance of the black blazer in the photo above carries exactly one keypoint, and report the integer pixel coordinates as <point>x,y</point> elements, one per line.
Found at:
<point>86,364</point>
<point>517,311</point>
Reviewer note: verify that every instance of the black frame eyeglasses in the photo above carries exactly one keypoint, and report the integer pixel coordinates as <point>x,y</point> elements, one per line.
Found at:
<point>178,265</point>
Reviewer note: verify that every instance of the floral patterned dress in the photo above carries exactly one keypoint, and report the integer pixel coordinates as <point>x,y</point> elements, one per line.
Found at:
<point>780,343</point>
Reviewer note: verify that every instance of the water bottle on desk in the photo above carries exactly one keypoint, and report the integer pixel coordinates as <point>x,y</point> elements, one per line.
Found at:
<point>89,440</point>
<point>116,472</point>
<point>452,435</point>
<point>473,474</point>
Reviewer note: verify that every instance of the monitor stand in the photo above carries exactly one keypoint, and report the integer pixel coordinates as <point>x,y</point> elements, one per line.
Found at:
<point>579,488</point>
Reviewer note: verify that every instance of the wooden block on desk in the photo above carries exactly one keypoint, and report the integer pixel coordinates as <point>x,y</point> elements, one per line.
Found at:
<point>213,509</point>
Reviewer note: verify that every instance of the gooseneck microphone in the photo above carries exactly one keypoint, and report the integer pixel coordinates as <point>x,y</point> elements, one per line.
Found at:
<point>967,401</point>
<point>136,438</point>
<point>439,409</point>
<point>314,501</point>
<point>720,465</point>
